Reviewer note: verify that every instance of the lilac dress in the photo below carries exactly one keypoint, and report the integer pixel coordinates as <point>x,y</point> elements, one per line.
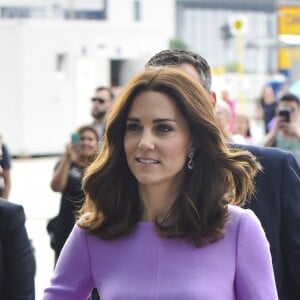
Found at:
<point>143,266</point>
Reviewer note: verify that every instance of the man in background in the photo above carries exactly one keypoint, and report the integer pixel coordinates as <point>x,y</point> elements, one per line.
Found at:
<point>5,174</point>
<point>17,262</point>
<point>285,132</point>
<point>101,105</point>
<point>276,202</point>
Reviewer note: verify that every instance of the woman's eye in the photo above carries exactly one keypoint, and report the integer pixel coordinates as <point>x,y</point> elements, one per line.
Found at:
<point>133,127</point>
<point>88,139</point>
<point>163,128</point>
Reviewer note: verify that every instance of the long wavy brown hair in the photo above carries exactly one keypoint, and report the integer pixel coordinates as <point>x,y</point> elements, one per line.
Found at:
<point>221,175</point>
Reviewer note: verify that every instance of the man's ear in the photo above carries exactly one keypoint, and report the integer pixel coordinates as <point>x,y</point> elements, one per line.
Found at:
<point>213,98</point>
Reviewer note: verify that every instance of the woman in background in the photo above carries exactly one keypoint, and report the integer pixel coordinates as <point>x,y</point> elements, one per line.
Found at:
<point>242,128</point>
<point>67,179</point>
<point>266,107</point>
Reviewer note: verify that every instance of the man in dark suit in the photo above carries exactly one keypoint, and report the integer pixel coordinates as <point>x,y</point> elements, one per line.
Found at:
<point>277,199</point>
<point>17,263</point>
<point>5,172</point>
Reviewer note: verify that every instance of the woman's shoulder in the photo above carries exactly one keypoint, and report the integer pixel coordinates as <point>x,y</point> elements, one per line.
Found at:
<point>83,225</point>
<point>243,224</point>
<point>78,234</point>
<point>86,217</point>
<point>240,216</point>
<point>238,212</point>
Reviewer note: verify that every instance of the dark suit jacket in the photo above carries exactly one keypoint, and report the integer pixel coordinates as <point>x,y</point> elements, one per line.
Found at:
<point>17,263</point>
<point>277,205</point>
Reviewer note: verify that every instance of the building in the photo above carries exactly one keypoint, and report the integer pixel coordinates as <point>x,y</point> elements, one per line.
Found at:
<point>52,60</point>
<point>54,53</point>
<point>207,27</point>
<point>208,30</point>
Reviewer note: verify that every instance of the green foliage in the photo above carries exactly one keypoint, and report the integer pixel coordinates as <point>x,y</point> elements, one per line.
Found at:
<point>232,67</point>
<point>177,43</point>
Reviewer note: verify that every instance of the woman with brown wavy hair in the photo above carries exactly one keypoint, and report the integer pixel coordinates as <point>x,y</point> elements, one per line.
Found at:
<point>160,219</point>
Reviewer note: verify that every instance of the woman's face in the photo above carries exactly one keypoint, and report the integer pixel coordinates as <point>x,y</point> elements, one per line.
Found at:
<point>241,125</point>
<point>157,139</point>
<point>268,95</point>
<point>88,143</point>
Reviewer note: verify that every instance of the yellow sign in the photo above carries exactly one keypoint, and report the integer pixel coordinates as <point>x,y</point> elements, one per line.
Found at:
<point>284,58</point>
<point>289,20</point>
<point>238,24</point>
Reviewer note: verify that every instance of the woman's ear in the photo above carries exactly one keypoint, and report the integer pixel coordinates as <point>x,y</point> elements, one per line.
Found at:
<point>191,147</point>
<point>213,97</point>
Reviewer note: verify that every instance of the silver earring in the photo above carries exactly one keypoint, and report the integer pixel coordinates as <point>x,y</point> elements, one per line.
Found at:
<point>191,162</point>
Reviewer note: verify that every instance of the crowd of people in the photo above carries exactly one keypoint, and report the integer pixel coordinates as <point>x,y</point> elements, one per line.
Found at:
<point>280,116</point>
<point>165,194</point>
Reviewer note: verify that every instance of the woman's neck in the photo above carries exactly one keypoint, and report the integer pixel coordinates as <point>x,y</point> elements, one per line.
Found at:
<point>83,161</point>
<point>157,201</point>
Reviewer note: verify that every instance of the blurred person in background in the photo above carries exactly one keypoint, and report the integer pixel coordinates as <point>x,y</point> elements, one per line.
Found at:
<point>285,133</point>
<point>223,115</point>
<point>67,179</point>
<point>5,173</point>
<point>157,222</point>
<point>17,262</point>
<point>101,105</point>
<point>225,96</point>
<point>222,112</point>
<point>276,201</point>
<point>242,127</point>
<point>266,107</point>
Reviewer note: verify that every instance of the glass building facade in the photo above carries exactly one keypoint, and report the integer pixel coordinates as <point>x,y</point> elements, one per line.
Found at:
<point>206,28</point>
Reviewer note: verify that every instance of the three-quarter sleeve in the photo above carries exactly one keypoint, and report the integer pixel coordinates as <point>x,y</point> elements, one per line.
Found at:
<point>254,273</point>
<point>72,278</point>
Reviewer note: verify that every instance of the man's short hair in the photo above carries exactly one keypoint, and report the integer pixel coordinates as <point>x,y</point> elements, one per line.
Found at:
<point>290,98</point>
<point>104,88</point>
<point>176,57</point>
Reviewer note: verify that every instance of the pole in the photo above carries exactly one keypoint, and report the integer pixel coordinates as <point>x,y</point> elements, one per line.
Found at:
<point>240,71</point>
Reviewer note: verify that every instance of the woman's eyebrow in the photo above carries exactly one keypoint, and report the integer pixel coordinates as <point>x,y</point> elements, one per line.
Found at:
<point>159,120</point>
<point>163,120</point>
<point>133,119</point>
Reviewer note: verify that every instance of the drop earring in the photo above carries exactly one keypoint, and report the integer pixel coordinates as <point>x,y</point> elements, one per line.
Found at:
<point>191,162</point>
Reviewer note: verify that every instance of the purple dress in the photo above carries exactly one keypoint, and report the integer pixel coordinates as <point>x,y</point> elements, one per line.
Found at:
<point>143,266</point>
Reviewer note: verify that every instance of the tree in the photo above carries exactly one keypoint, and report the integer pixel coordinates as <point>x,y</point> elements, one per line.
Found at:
<point>177,43</point>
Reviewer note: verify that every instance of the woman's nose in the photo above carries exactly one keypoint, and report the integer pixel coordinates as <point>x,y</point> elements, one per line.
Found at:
<point>146,141</point>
